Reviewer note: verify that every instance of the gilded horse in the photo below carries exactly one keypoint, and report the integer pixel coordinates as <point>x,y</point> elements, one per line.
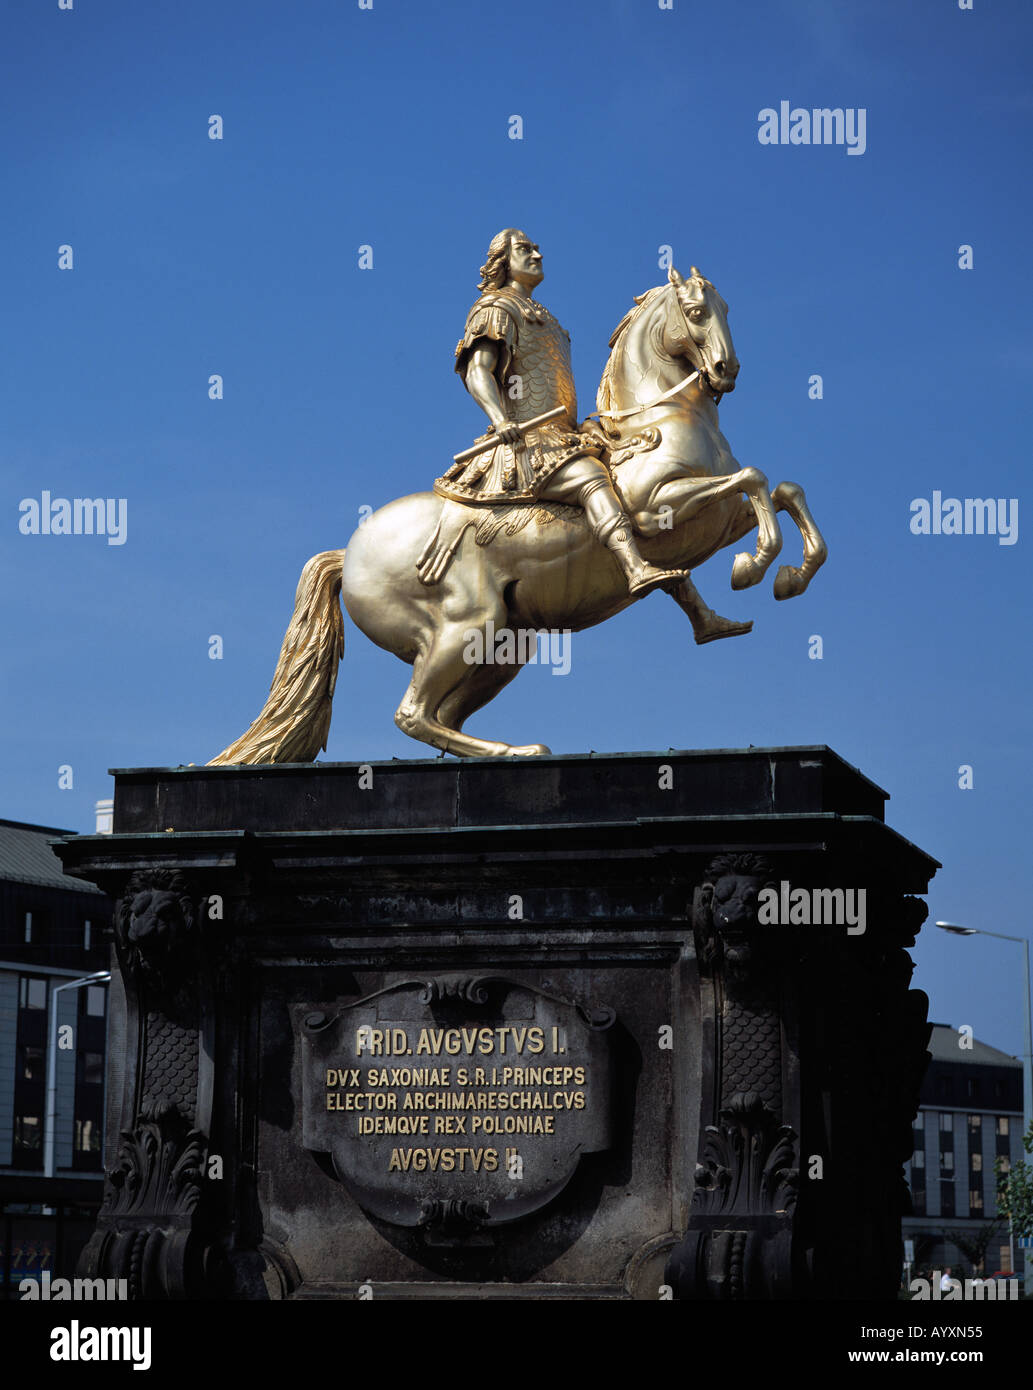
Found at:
<point>424,573</point>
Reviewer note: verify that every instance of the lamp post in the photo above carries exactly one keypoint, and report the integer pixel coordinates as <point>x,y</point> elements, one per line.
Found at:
<point>99,977</point>
<point>1027,1057</point>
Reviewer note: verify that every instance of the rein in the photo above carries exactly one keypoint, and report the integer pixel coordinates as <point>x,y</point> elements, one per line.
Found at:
<point>635,409</point>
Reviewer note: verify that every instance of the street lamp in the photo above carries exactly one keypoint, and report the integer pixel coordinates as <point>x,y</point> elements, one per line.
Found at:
<point>1027,1058</point>
<point>97,978</point>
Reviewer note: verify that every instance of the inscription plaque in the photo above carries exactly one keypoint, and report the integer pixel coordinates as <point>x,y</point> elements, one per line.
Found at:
<point>455,1100</point>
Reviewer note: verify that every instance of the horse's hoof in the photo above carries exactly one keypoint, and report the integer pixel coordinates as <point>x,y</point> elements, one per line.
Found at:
<point>529,750</point>
<point>789,582</point>
<point>746,571</point>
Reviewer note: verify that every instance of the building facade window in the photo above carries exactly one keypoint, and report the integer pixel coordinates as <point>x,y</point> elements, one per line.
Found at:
<point>87,1142</point>
<point>89,1106</point>
<point>29,1099</point>
<point>94,1001</point>
<point>27,1147</point>
<point>91,1068</point>
<point>32,992</point>
<point>31,1063</point>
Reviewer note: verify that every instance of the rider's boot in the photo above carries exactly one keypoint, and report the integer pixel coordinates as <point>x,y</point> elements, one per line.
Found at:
<point>642,577</point>
<point>613,527</point>
<point>707,626</point>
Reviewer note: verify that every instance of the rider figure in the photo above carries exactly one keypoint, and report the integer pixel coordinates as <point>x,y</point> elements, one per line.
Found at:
<point>514,359</point>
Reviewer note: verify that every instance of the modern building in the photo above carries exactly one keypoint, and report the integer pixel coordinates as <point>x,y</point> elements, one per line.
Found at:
<point>53,930</point>
<point>970,1114</point>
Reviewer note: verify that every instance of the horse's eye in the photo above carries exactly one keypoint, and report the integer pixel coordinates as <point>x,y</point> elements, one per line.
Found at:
<point>697,315</point>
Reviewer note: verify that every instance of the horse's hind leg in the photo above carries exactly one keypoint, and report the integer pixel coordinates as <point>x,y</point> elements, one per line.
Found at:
<point>793,579</point>
<point>445,680</point>
<point>480,686</point>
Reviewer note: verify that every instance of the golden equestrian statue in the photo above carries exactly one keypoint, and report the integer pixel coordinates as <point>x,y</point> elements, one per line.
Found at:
<point>544,524</point>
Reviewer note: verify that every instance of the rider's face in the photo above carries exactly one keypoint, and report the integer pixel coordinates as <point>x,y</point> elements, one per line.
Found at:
<point>525,261</point>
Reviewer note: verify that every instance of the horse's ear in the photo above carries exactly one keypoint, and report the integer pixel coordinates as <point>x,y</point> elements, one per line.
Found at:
<point>674,277</point>
<point>696,274</point>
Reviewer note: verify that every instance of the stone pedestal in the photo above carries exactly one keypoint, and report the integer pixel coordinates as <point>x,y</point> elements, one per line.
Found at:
<point>551,1028</point>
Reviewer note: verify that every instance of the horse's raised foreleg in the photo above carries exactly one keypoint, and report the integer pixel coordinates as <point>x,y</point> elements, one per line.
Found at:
<point>680,499</point>
<point>793,579</point>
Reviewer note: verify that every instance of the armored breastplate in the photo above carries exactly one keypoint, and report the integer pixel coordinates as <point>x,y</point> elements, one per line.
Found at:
<point>542,361</point>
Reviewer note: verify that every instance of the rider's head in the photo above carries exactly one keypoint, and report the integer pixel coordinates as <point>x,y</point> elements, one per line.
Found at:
<point>511,255</point>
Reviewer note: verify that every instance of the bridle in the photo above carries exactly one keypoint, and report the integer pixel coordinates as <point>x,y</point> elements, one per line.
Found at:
<point>639,409</point>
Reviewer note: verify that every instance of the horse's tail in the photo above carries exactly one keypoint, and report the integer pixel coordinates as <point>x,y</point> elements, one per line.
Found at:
<point>295,720</point>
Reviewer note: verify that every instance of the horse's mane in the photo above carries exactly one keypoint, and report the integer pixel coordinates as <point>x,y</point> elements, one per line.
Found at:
<point>604,396</point>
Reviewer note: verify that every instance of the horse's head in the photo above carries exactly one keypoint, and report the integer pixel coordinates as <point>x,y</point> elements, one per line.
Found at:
<point>699,331</point>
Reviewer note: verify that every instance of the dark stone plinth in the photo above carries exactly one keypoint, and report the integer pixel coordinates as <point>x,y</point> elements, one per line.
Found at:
<point>513,1029</point>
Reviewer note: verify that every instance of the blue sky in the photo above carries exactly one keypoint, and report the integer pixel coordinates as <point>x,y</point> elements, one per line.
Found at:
<point>389,127</point>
